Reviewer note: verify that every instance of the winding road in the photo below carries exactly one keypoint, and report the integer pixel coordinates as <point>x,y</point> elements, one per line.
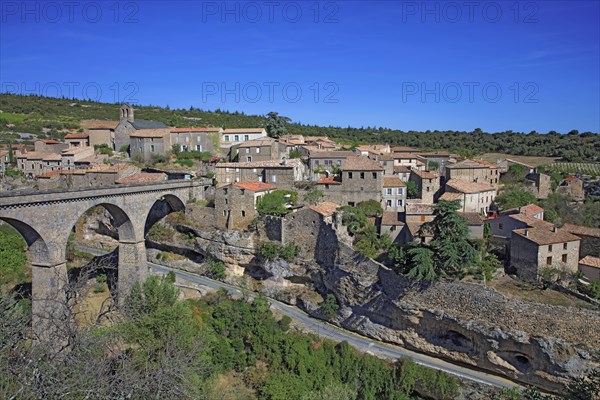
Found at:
<point>335,333</point>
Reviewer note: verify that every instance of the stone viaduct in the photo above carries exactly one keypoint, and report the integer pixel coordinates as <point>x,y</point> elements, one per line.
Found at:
<point>45,220</point>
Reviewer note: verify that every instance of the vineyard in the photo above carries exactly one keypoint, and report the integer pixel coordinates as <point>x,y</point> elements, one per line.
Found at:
<point>592,169</point>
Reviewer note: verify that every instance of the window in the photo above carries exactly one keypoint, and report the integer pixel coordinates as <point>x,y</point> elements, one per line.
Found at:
<point>225,191</point>
<point>316,162</point>
<point>246,137</point>
<point>564,258</point>
<point>257,150</point>
<point>549,247</point>
<point>374,175</point>
<point>226,201</point>
<point>400,191</point>
<point>247,150</point>
<point>400,203</point>
<point>226,138</point>
<point>226,169</point>
<point>351,203</point>
<point>198,139</point>
<point>236,138</point>
<point>152,148</point>
<point>389,191</point>
<point>422,218</point>
<point>362,175</point>
<point>249,159</point>
<point>224,213</point>
<point>237,169</point>
<point>388,203</point>
<point>339,162</point>
<point>549,261</point>
<point>274,178</point>
<point>349,175</point>
<point>198,147</point>
<point>501,226</point>
<point>243,213</point>
<point>327,186</point>
<point>564,246</point>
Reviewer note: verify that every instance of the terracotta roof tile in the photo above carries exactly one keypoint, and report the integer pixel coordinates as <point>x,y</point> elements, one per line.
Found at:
<point>531,209</point>
<point>544,236</point>
<point>424,174</point>
<point>98,124</point>
<point>151,133</point>
<point>254,186</point>
<point>183,130</point>
<point>403,149</point>
<point>590,261</point>
<point>469,164</point>
<point>328,180</point>
<point>77,136</point>
<point>392,182</point>
<point>331,154</point>
<point>472,218</point>
<point>419,208</point>
<point>294,162</point>
<point>326,208</point>
<point>469,187</point>
<point>401,169</point>
<point>451,196</point>
<point>533,222</point>
<point>49,141</point>
<point>361,163</point>
<point>143,177</point>
<point>243,130</point>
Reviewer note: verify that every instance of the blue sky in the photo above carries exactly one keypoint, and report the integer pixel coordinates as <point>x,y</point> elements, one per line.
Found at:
<point>408,65</point>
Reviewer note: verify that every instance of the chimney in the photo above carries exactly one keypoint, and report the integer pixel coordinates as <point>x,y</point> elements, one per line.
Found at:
<point>554,229</point>
<point>285,161</point>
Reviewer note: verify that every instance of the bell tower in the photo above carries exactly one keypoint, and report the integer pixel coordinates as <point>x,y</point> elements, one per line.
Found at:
<point>126,112</point>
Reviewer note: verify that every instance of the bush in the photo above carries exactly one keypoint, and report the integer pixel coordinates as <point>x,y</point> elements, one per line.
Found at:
<point>370,208</point>
<point>277,202</point>
<point>330,306</point>
<point>103,149</point>
<point>100,288</point>
<point>101,278</point>
<point>273,251</point>
<point>215,269</point>
<point>124,148</point>
<point>185,163</point>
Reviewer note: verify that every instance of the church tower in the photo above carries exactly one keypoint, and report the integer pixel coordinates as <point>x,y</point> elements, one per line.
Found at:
<point>127,113</point>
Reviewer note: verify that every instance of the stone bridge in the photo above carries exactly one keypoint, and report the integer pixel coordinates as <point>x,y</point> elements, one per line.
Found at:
<point>45,220</point>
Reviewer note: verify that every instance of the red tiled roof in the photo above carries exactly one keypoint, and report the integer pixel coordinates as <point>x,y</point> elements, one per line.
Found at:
<point>473,218</point>
<point>77,136</point>
<point>254,186</point>
<point>570,179</point>
<point>143,177</point>
<point>531,209</point>
<point>590,261</point>
<point>211,129</point>
<point>151,133</point>
<point>487,164</point>
<point>293,162</point>
<point>392,182</point>
<point>544,236</point>
<point>399,149</point>
<point>469,187</point>
<point>98,124</point>
<point>419,208</point>
<point>326,208</point>
<point>49,174</point>
<point>328,180</point>
<point>451,196</point>
<point>49,141</point>
<point>331,154</point>
<point>243,130</point>
<point>361,163</point>
<point>401,169</point>
<point>533,222</point>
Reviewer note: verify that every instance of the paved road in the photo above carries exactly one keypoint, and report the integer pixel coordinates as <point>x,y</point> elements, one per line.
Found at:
<point>337,334</point>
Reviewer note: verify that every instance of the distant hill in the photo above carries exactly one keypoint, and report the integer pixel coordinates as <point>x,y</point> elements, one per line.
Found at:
<point>35,114</point>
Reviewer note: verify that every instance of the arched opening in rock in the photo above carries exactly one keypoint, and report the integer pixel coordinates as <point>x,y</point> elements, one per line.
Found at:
<point>455,341</point>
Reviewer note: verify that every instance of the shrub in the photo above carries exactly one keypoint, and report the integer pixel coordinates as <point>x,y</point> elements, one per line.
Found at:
<point>215,269</point>
<point>124,148</point>
<point>185,163</point>
<point>330,306</point>
<point>276,202</point>
<point>101,278</point>
<point>273,251</point>
<point>100,288</point>
<point>370,208</point>
<point>103,149</point>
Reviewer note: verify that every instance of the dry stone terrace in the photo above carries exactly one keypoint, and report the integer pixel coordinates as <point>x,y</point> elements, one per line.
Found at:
<point>45,220</point>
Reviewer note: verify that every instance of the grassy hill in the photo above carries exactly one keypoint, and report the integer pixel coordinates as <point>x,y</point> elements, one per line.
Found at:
<point>36,114</point>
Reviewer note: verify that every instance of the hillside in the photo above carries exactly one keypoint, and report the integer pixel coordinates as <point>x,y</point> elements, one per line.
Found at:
<point>35,114</point>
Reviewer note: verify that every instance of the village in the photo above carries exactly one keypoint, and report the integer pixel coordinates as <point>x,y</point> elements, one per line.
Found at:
<point>241,165</point>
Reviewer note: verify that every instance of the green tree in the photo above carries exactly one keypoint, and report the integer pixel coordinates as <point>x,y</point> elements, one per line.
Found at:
<point>453,250</point>
<point>313,196</point>
<point>295,153</point>
<point>412,190</point>
<point>277,202</point>
<point>423,267</point>
<point>513,197</point>
<point>276,124</point>
<point>330,306</point>
<point>370,208</point>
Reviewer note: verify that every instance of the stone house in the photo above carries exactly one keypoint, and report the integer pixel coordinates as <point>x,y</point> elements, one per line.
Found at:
<point>373,151</point>
<point>77,139</point>
<point>291,142</point>
<point>503,226</point>
<point>49,146</point>
<point>415,215</point>
<point>404,149</point>
<point>532,250</point>
<point>150,141</point>
<point>409,160</point>
<point>282,173</point>
<point>475,225</point>
<point>321,142</point>
<point>392,223</point>
<point>98,176</point>
<point>402,172</point>
<point>100,131</point>
<point>4,161</point>
<point>540,185</point>
<point>393,195</point>
<point>473,196</point>
<point>361,180</point>
<point>590,239</point>
<point>128,125</point>
<point>477,171</point>
<point>196,139</point>
<point>504,165</point>
<point>428,185</point>
<point>442,159</point>
<point>239,135</point>
<point>325,160</point>
<point>235,204</point>
<point>265,149</point>
<point>36,163</point>
<point>387,162</point>
<point>572,187</point>
<point>590,267</point>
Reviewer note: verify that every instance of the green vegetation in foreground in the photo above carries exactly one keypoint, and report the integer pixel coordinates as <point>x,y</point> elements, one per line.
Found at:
<point>13,262</point>
<point>169,349</point>
<point>34,113</point>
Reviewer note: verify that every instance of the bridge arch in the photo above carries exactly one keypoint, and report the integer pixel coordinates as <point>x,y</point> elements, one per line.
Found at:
<point>166,204</point>
<point>38,248</point>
